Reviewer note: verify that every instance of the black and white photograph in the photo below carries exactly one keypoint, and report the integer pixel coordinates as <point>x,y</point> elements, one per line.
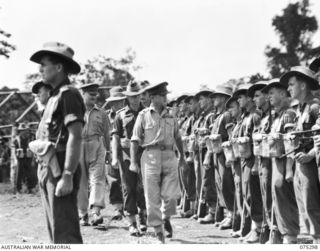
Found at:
<point>159,122</point>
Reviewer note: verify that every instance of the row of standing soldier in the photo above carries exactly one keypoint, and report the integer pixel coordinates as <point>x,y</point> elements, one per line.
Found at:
<point>253,158</point>
<point>242,189</point>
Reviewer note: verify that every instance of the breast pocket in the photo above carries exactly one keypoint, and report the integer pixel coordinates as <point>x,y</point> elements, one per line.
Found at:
<point>150,131</point>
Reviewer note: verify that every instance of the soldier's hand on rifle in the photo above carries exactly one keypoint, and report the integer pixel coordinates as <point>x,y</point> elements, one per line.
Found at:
<point>64,185</point>
<point>134,167</point>
<point>303,158</point>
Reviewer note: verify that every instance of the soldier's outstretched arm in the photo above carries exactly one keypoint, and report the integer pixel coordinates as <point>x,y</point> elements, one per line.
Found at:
<point>73,149</point>
<point>134,166</point>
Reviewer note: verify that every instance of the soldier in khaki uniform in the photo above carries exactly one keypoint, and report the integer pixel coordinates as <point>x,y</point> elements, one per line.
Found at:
<point>156,130</point>
<point>188,138</point>
<point>95,151</point>
<point>132,190</point>
<point>264,163</point>
<point>252,202</point>
<point>115,103</point>
<point>61,125</point>
<point>183,119</point>
<point>207,193</point>
<point>222,172</point>
<point>233,130</point>
<point>284,203</point>
<point>300,81</point>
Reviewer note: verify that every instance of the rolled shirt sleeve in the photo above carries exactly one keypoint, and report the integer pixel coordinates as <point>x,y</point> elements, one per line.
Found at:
<point>72,107</point>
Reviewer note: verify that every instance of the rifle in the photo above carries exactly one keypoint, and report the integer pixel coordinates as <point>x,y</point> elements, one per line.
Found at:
<point>290,160</point>
<point>201,204</point>
<point>313,131</point>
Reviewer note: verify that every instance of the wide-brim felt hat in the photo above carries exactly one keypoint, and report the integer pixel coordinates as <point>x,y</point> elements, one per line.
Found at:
<point>36,87</point>
<point>273,83</point>
<point>300,71</point>
<point>143,85</point>
<point>61,50</point>
<point>315,64</point>
<point>190,97</point>
<point>230,100</point>
<point>243,89</point>
<point>116,94</point>
<point>133,89</point>
<point>160,88</point>
<point>182,98</point>
<point>222,90</point>
<point>204,92</point>
<point>256,87</point>
<point>85,86</point>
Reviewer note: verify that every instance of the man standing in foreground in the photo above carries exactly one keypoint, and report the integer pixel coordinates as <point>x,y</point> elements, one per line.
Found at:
<point>156,130</point>
<point>95,151</point>
<point>61,124</point>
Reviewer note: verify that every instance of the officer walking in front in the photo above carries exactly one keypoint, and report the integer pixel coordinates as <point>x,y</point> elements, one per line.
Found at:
<point>156,130</point>
<point>61,124</point>
<point>132,189</point>
<point>95,151</point>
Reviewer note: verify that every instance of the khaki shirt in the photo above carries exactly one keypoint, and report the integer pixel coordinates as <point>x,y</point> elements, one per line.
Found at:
<point>96,124</point>
<point>152,128</point>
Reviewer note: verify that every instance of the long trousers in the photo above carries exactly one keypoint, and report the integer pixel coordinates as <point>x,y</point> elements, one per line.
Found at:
<point>92,164</point>
<point>244,215</point>
<point>285,205</point>
<point>252,201</point>
<point>208,179</point>
<point>224,182</point>
<point>132,189</point>
<point>61,212</point>
<point>198,173</point>
<point>190,190</point>
<point>161,184</point>
<point>307,191</point>
<point>265,174</point>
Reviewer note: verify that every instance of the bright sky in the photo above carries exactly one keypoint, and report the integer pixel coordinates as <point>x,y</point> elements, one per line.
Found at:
<point>184,42</point>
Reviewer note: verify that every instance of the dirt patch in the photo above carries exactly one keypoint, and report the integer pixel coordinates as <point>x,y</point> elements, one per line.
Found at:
<point>22,221</point>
